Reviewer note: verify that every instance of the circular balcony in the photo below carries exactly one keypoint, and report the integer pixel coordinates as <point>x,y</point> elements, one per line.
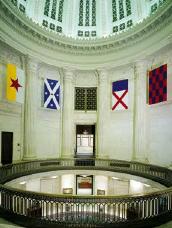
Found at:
<point>28,208</point>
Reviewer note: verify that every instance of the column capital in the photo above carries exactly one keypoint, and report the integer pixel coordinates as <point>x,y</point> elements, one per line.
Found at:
<point>68,73</point>
<point>140,69</point>
<point>102,71</point>
<point>141,66</point>
<point>102,75</point>
<point>32,64</point>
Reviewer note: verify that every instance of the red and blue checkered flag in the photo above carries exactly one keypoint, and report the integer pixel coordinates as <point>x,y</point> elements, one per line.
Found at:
<point>157,83</point>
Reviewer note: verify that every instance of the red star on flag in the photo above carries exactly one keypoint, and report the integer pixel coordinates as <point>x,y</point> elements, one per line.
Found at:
<point>15,84</point>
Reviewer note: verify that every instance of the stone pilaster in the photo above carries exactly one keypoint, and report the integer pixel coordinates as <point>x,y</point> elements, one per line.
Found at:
<point>30,110</point>
<point>103,108</point>
<point>68,109</point>
<point>140,113</point>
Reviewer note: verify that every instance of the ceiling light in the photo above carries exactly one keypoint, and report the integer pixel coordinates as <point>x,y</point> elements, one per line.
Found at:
<point>23,182</point>
<point>147,185</point>
<point>115,178</point>
<point>85,132</point>
<point>54,177</point>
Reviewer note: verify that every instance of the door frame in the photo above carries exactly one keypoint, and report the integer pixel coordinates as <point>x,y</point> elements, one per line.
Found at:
<point>94,137</point>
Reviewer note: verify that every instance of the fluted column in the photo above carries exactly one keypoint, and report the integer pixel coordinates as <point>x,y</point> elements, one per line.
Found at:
<point>30,110</point>
<point>103,110</point>
<point>140,133</point>
<point>68,107</point>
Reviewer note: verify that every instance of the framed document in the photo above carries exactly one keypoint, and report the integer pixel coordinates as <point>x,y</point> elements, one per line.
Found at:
<point>68,191</point>
<point>100,192</point>
<point>84,184</point>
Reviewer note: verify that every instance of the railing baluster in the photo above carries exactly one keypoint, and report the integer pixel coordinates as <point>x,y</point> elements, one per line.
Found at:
<point>86,211</point>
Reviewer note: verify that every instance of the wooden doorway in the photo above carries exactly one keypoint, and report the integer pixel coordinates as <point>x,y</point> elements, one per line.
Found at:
<point>6,147</point>
<point>85,140</point>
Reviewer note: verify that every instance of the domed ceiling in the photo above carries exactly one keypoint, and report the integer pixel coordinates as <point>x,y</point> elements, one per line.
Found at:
<point>87,19</point>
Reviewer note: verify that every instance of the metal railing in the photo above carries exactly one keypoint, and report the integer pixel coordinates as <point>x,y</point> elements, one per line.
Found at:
<point>91,211</point>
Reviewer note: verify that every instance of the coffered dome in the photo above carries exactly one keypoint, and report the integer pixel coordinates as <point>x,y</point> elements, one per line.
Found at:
<point>88,19</point>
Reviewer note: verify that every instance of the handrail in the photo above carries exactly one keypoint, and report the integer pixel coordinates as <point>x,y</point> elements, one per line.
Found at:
<point>91,210</point>
<point>160,174</point>
<point>71,196</point>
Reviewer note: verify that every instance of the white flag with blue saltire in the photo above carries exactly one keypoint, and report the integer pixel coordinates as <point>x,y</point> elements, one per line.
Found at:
<point>51,94</point>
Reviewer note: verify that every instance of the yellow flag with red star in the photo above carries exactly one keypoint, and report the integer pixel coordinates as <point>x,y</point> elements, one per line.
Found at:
<point>15,84</point>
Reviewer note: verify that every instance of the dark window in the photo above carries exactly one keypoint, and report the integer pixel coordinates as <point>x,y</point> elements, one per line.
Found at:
<point>22,8</point>
<point>59,29</point>
<point>86,98</point>
<point>14,2</point>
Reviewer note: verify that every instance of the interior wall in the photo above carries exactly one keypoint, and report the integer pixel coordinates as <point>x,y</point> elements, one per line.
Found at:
<point>11,113</point>
<point>160,135</point>
<point>119,130</point>
<point>68,181</point>
<point>48,123</point>
<point>47,127</point>
<point>84,79</point>
<point>142,133</point>
<point>159,118</point>
<point>101,183</point>
<point>51,186</point>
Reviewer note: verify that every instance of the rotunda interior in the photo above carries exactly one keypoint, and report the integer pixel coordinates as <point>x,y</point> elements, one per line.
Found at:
<point>85,90</point>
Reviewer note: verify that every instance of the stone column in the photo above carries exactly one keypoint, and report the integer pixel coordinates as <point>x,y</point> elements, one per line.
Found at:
<point>30,110</point>
<point>102,112</point>
<point>68,109</point>
<point>140,134</point>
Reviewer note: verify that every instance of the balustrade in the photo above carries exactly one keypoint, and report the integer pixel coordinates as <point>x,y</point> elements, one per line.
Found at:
<point>90,210</point>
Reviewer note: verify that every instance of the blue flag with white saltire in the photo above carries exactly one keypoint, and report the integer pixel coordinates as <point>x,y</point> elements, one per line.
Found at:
<point>51,94</point>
